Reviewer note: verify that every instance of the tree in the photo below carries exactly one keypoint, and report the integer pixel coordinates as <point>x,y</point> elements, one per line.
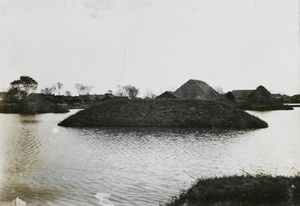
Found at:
<point>230,96</point>
<point>47,90</point>
<point>14,94</point>
<point>120,92</point>
<point>57,87</point>
<point>78,88</point>
<point>68,93</point>
<point>129,91</point>
<point>149,95</point>
<point>87,89</point>
<point>82,89</point>
<point>23,86</point>
<point>219,90</point>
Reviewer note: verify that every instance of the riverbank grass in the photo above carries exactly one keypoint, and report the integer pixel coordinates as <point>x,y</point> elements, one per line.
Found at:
<point>241,190</point>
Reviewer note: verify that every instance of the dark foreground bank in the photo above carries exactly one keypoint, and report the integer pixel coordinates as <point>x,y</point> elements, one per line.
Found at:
<point>164,113</point>
<point>241,190</point>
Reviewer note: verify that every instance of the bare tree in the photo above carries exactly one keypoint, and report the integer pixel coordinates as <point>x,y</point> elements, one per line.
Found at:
<point>129,91</point>
<point>78,88</point>
<point>57,87</point>
<point>120,92</point>
<point>82,89</point>
<point>132,91</point>
<point>47,90</point>
<point>219,90</point>
<point>149,95</point>
<point>68,93</point>
<point>87,89</point>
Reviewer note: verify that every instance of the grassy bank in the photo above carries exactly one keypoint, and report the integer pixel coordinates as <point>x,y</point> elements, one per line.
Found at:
<point>32,105</point>
<point>164,113</point>
<point>241,190</point>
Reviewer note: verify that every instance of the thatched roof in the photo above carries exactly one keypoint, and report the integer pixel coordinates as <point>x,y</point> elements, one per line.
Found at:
<point>99,96</point>
<point>196,89</point>
<point>260,95</point>
<point>166,95</point>
<point>241,94</point>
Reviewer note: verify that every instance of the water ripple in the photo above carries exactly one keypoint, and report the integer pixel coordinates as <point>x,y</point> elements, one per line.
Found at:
<point>137,166</point>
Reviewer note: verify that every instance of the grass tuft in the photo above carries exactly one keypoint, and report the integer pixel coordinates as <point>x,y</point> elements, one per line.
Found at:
<point>247,189</point>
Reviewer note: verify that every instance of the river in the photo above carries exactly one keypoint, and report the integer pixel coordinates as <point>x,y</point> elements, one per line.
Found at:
<point>44,164</point>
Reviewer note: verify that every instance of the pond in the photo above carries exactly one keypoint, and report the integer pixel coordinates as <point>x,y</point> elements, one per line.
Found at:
<point>44,164</point>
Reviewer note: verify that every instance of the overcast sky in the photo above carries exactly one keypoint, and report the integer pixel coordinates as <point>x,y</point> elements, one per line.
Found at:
<point>155,45</point>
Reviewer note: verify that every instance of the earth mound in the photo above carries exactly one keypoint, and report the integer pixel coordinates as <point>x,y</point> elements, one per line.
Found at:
<point>164,113</point>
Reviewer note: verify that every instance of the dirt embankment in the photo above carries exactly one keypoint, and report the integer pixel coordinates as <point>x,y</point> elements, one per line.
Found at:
<point>164,113</point>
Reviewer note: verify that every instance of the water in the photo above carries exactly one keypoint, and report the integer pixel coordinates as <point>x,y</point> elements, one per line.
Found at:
<point>44,164</point>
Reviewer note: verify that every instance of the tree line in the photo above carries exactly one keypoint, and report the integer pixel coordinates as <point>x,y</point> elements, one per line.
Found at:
<point>57,87</point>
<point>25,85</point>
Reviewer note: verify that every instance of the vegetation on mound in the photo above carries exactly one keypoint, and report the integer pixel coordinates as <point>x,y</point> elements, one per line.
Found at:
<point>18,99</point>
<point>164,113</point>
<point>241,190</point>
<point>32,105</point>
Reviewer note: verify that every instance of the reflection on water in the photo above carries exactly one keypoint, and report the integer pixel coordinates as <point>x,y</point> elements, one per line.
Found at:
<point>44,164</point>
<point>20,156</point>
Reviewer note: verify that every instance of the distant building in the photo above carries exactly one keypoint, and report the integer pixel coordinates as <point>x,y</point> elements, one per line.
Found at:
<point>196,89</point>
<point>281,98</point>
<point>260,95</point>
<point>99,97</point>
<point>166,95</point>
<point>109,96</point>
<point>241,95</point>
<point>295,98</point>
<point>105,97</point>
<point>88,98</point>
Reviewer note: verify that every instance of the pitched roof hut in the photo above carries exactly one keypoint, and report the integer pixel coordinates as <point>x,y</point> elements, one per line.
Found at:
<point>166,95</point>
<point>260,95</point>
<point>105,97</point>
<point>196,89</point>
<point>241,94</point>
